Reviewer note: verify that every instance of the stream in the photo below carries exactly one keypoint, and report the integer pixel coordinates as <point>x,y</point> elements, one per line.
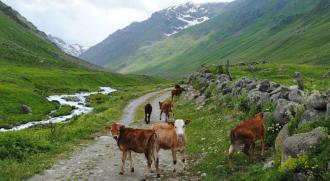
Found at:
<point>77,100</point>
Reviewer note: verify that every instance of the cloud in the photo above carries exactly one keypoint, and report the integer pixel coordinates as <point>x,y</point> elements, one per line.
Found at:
<point>88,22</point>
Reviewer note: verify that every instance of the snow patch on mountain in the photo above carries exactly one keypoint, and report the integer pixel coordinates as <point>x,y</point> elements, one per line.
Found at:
<point>72,49</point>
<point>186,15</point>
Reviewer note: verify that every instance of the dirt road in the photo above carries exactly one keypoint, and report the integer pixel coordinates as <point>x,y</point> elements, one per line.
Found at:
<point>100,160</point>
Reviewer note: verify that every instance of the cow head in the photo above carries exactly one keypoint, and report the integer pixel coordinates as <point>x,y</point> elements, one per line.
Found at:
<point>260,115</point>
<point>179,126</point>
<point>115,130</point>
<point>160,104</point>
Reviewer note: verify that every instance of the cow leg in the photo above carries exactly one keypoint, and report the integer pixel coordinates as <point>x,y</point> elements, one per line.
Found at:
<point>160,116</point>
<point>183,155</point>
<point>123,158</point>
<point>246,149</point>
<point>149,162</point>
<point>231,151</point>
<point>131,161</point>
<point>174,161</point>
<point>149,117</point>
<point>145,118</point>
<point>262,147</point>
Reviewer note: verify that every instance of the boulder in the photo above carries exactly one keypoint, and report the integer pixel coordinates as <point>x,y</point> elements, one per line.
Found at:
<point>251,86</point>
<point>300,143</point>
<point>275,97</point>
<point>318,101</point>
<point>25,109</point>
<point>310,116</point>
<point>282,91</point>
<point>258,97</point>
<point>296,95</point>
<point>273,86</point>
<point>299,176</point>
<point>281,137</point>
<point>286,110</point>
<point>264,86</point>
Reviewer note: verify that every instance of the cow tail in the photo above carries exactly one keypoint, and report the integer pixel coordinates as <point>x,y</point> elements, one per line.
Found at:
<point>154,147</point>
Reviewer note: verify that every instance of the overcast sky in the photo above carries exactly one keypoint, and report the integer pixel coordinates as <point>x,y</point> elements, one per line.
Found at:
<point>88,22</point>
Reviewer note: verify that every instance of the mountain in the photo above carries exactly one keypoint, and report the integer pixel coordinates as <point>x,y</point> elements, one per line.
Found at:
<point>278,31</point>
<point>72,49</point>
<point>114,50</point>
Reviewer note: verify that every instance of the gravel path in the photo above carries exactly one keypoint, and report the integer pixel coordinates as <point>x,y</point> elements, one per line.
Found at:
<point>100,160</point>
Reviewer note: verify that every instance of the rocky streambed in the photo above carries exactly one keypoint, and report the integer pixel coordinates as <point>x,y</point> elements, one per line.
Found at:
<point>77,100</point>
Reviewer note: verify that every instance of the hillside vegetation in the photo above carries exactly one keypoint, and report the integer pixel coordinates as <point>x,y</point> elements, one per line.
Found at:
<point>31,68</point>
<point>278,31</point>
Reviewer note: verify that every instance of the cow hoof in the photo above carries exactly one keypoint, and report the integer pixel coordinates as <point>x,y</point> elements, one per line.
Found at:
<point>158,175</point>
<point>132,169</point>
<point>121,173</point>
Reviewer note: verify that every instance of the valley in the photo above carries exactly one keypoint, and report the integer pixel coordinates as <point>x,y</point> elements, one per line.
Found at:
<point>232,60</point>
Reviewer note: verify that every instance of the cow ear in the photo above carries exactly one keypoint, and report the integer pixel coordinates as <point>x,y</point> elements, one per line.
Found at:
<point>121,128</point>
<point>170,123</point>
<point>186,122</point>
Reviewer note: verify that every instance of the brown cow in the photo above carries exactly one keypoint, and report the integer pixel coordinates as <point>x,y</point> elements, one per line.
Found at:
<point>247,133</point>
<point>165,107</point>
<point>137,140</point>
<point>177,91</point>
<point>171,136</point>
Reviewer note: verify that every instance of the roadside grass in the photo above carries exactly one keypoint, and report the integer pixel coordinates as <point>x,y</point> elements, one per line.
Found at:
<point>30,151</point>
<point>208,142</point>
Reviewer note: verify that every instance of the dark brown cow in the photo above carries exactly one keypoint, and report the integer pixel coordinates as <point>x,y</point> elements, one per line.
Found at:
<point>171,136</point>
<point>137,140</point>
<point>247,133</point>
<point>147,113</point>
<point>165,107</point>
<point>177,91</point>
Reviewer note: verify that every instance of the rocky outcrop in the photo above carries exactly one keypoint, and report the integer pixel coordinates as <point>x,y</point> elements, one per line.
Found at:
<point>25,109</point>
<point>300,143</point>
<point>286,110</point>
<point>318,101</point>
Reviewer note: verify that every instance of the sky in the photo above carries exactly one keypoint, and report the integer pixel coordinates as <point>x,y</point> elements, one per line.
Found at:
<point>88,22</point>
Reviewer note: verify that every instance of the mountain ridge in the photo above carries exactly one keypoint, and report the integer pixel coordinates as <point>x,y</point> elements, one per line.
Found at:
<point>161,24</point>
<point>72,49</point>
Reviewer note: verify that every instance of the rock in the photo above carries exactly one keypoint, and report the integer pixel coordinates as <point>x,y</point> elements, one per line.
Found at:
<point>286,110</point>
<point>222,78</point>
<point>281,137</point>
<point>299,176</point>
<point>275,97</point>
<point>208,76</point>
<point>326,75</point>
<point>25,109</point>
<point>310,116</point>
<point>317,101</point>
<point>327,93</point>
<point>201,100</point>
<point>264,85</point>
<point>258,97</point>
<point>191,95</point>
<point>300,143</point>
<point>203,174</point>
<point>251,86</point>
<point>227,90</point>
<point>296,95</point>
<point>273,86</point>
<point>282,91</point>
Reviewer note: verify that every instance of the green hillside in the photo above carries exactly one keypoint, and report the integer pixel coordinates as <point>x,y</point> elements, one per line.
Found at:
<point>278,31</point>
<point>31,68</point>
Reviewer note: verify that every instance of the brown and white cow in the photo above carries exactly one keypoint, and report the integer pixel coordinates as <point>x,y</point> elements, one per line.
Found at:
<point>166,107</point>
<point>247,133</point>
<point>137,140</point>
<point>171,136</point>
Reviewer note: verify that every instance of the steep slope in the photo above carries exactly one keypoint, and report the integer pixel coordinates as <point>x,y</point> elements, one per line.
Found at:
<point>31,67</point>
<point>281,31</point>
<point>278,31</point>
<point>72,49</point>
<point>114,50</point>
